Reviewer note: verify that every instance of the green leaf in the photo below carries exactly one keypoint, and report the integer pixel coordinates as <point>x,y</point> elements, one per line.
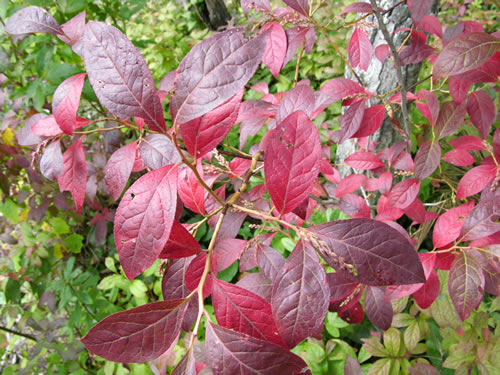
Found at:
<point>74,243</point>
<point>381,367</point>
<point>69,268</point>
<point>375,347</point>
<point>110,264</point>
<point>13,291</point>
<point>59,226</point>
<point>109,282</point>
<point>412,335</point>
<point>138,288</point>
<point>392,341</point>
<point>60,72</point>
<point>10,211</point>
<point>402,320</point>
<point>229,273</point>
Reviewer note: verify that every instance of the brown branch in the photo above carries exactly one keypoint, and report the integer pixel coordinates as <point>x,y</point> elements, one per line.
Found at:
<point>17,333</point>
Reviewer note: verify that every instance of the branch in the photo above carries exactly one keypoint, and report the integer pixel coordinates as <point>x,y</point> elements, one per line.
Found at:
<point>19,333</point>
<point>397,63</point>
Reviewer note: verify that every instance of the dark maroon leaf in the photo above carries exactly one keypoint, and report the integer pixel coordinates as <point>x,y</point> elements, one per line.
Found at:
<point>144,219</point>
<point>467,52</point>
<point>204,133</point>
<point>427,159</point>
<point>140,334</point>
<point>270,261</point>
<point>118,169</point>
<point>300,296</point>
<point>466,285</point>
<point>119,75</point>
<point>417,51</point>
<point>300,98</point>
<point>481,109</point>
<point>32,20</point>
<point>194,273</point>
<point>213,72</point>
<point>301,6</point>
<point>51,163</point>
<point>229,352</point>
<point>245,312</point>
<point>256,283</point>
<point>157,151</point>
<point>353,314</point>
<point>377,310</point>
<point>73,29</point>
<point>180,243</point>
<point>227,251</point>
<point>74,175</point>
<point>292,161</point>
<point>186,366</point>
<point>295,36</point>
<point>360,49</point>
<point>372,120</point>
<point>458,89</point>
<point>379,253</point>
<point>341,287</point>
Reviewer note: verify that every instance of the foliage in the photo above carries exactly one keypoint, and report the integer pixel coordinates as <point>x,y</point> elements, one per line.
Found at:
<point>299,270</point>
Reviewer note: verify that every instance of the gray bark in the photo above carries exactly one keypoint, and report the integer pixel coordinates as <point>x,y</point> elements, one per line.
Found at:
<point>381,78</point>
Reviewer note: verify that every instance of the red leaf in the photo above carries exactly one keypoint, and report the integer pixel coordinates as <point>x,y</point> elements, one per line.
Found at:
<point>204,133</point>
<point>458,89</point>
<point>482,221</point>
<point>364,160</point>
<point>300,296</point>
<point>467,52</point>
<point>431,25</point>
<point>419,9</point>
<point>468,143</point>
<point>341,88</point>
<point>270,261</point>
<point>51,163</point>
<point>194,273</point>
<point>241,310</point>
<point>180,243</point>
<point>372,120</point>
<point>118,169</point>
<point>475,180</point>
<point>292,161</point>
<point>404,193</point>
<point>73,29</point>
<point>144,218</point>
<point>191,192</point>
<point>481,109</point>
<point>74,175</point>
<point>431,110</point>
<point>119,75</point>
<point>341,287</point>
<point>256,283</point>
<point>66,101</point>
<point>214,71</point>
<point>350,184</point>
<point>360,49</point>
<point>186,366</point>
<point>228,251</point>
<point>229,352</point>
<point>459,158</point>
<point>255,4</point>
<point>157,150</point>
<point>386,212</point>
<point>140,334</point>
<point>417,51</point>
<point>354,206</point>
<point>295,36</point>
<point>301,6</point>
<point>466,285</point>
<point>357,8</point>
<point>427,159</point>
<point>275,52</point>
<point>300,98</point>
<point>379,253</point>
<point>350,121</point>
<point>448,226</point>
<point>451,117</point>
<point>377,310</point>
<point>352,315</point>
<point>428,293</point>
<point>32,20</point>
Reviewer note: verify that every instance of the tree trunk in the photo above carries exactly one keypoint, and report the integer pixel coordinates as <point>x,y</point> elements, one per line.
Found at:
<point>381,78</point>
<point>213,13</point>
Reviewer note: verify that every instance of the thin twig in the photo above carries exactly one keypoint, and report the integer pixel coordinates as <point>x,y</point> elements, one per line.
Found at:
<point>28,336</point>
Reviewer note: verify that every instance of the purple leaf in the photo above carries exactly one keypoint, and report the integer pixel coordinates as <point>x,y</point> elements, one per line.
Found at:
<point>73,29</point>
<point>119,75</point>
<point>404,193</point>
<point>377,310</point>
<point>482,221</point>
<point>118,169</point>
<point>427,159</point>
<point>300,296</point>
<point>301,6</point>
<point>341,88</point>
<point>380,254</point>
<point>144,219</point>
<point>74,175</point>
<point>357,8</point>
<point>140,334</point>
<point>229,352</point>
<point>300,98</point>
<point>292,161</point>
<point>246,5</point>
<point>51,163</point>
<point>270,261</point>
<point>213,72</point>
<point>481,109</point>
<point>350,121</point>
<point>275,52</point>
<point>256,283</point>
<point>228,251</point>
<point>466,285</point>
<point>294,36</point>
<point>419,9</point>
<point>351,366</point>
<point>241,310</point>
<point>157,150</point>
<point>32,20</point>
<point>26,136</point>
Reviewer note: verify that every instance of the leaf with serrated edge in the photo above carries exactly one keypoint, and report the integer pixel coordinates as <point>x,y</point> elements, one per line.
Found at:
<point>118,169</point>
<point>300,296</point>
<point>139,335</point>
<point>291,163</point>
<point>214,71</point>
<point>32,20</point>
<point>239,309</point>
<point>380,254</point>
<point>144,218</point>
<point>229,352</point>
<point>74,175</point>
<point>119,75</point>
<point>466,285</point>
